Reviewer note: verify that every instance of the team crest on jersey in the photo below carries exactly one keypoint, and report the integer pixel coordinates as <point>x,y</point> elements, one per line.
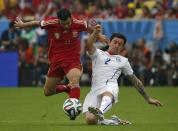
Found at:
<point>74,34</point>
<point>57,35</point>
<point>118,59</point>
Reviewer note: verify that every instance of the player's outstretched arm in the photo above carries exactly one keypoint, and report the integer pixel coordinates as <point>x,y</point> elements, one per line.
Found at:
<point>100,37</point>
<point>92,39</point>
<point>140,88</point>
<point>20,24</point>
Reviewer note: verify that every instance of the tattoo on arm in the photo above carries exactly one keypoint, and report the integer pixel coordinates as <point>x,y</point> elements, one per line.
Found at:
<point>138,85</point>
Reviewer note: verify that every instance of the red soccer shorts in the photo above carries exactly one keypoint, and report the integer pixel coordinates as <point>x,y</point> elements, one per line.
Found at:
<point>60,69</point>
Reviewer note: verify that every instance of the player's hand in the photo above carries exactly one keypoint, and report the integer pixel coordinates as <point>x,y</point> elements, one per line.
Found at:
<point>100,37</point>
<point>154,102</point>
<point>97,29</point>
<point>18,23</point>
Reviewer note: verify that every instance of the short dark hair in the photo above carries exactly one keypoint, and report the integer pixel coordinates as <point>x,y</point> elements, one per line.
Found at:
<point>119,35</point>
<point>63,14</point>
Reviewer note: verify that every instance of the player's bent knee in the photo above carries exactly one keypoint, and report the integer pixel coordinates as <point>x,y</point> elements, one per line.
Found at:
<point>48,93</point>
<point>90,119</point>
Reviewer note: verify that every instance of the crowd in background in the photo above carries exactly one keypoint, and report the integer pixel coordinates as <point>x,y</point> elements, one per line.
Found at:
<point>102,9</point>
<point>152,65</point>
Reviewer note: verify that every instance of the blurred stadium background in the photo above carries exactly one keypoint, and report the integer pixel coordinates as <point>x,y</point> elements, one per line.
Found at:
<point>151,27</point>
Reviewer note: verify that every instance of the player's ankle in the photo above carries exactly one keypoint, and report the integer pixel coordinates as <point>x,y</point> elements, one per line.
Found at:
<point>74,93</point>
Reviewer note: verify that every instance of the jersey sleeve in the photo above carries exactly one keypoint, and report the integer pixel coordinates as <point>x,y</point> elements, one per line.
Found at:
<point>82,24</point>
<point>47,23</point>
<point>127,69</point>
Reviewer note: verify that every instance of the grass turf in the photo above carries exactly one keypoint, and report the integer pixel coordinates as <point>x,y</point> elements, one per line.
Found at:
<point>27,109</point>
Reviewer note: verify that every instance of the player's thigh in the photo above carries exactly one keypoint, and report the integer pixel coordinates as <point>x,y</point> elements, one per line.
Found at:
<point>74,75</point>
<point>50,83</point>
<point>54,76</point>
<point>110,90</point>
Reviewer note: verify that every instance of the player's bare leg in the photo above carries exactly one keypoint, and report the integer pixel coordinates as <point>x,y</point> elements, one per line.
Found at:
<point>74,77</point>
<point>50,85</point>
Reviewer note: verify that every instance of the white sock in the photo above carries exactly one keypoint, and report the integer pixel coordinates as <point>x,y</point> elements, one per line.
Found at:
<point>106,104</point>
<point>108,122</point>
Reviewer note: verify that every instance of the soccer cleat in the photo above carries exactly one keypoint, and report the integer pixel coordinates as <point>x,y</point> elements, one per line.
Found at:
<point>120,121</point>
<point>98,114</point>
<point>107,122</point>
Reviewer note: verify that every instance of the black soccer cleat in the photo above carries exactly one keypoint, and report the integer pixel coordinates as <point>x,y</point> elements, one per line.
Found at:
<point>98,114</point>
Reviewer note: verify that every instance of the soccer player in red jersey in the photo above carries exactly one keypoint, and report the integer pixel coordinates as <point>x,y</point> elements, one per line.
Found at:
<point>63,51</point>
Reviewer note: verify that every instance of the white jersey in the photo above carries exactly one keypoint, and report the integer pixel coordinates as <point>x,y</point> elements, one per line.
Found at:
<point>107,68</point>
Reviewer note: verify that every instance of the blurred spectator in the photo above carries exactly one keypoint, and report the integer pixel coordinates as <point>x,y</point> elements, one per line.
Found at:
<point>158,36</point>
<point>145,61</point>
<point>173,67</point>
<point>41,36</point>
<point>146,14</point>
<point>159,69</point>
<point>45,7</point>
<point>2,5</point>
<point>120,10</point>
<point>2,17</point>
<point>159,10</point>
<point>30,35</point>
<point>28,11</point>
<point>11,10</point>
<point>131,13</point>
<point>10,38</point>
<point>26,64</point>
<point>41,65</point>
<point>103,4</point>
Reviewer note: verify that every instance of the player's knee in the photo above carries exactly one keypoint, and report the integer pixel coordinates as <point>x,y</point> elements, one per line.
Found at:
<point>74,81</point>
<point>48,92</point>
<point>90,119</point>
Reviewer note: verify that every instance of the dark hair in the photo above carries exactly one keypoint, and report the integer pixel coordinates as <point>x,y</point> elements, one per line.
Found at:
<point>119,35</point>
<point>63,14</point>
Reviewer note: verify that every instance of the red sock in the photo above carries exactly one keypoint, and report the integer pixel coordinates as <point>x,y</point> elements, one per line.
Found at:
<point>74,92</point>
<point>62,88</point>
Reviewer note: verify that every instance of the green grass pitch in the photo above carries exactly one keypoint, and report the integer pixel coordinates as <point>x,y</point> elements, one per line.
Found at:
<point>27,109</point>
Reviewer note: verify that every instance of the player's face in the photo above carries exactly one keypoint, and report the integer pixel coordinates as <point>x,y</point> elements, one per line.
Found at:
<point>66,24</point>
<point>116,44</point>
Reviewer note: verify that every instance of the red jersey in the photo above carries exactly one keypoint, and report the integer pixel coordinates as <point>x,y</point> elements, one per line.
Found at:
<point>64,45</point>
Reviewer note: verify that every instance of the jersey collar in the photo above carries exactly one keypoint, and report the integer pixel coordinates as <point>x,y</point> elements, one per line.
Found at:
<point>111,53</point>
